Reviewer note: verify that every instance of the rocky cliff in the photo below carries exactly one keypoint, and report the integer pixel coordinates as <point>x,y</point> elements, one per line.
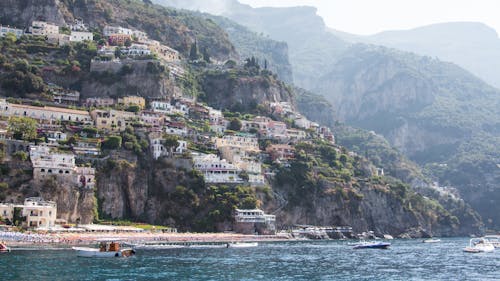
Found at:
<point>240,90</point>
<point>434,112</point>
<point>146,78</point>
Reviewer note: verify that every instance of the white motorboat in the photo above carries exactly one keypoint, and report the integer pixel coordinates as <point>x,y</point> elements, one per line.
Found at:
<point>242,245</point>
<point>432,240</point>
<point>371,245</point>
<point>105,250</point>
<point>479,245</point>
<point>493,239</point>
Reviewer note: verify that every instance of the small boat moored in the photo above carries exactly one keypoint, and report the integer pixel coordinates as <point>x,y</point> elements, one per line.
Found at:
<point>432,240</point>
<point>372,245</point>
<point>4,248</point>
<point>493,239</point>
<point>479,245</point>
<point>106,250</point>
<point>242,245</point>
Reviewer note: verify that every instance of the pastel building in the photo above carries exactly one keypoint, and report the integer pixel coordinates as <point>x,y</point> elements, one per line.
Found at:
<point>37,213</point>
<point>48,163</point>
<point>136,50</point>
<point>132,100</point>
<point>110,30</point>
<point>79,36</point>
<point>243,161</point>
<point>215,170</point>
<point>246,142</point>
<point>112,120</point>
<point>158,150</point>
<point>99,102</point>
<point>7,29</point>
<point>43,28</point>
<point>43,113</point>
<point>251,221</point>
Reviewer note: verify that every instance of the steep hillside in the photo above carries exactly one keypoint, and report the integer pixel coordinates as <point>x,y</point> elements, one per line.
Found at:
<point>242,91</point>
<point>473,46</point>
<point>267,51</point>
<point>178,29</point>
<point>432,111</point>
<point>312,47</point>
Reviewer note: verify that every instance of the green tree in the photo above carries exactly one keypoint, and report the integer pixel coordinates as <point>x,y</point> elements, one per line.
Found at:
<point>9,39</point>
<point>170,142</point>
<point>235,124</point>
<point>22,128</point>
<point>206,55</point>
<point>193,52</point>
<point>128,42</point>
<point>133,108</point>
<point>112,142</point>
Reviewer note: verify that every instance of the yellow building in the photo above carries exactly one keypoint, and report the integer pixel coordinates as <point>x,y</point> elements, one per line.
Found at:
<point>112,120</point>
<point>132,100</point>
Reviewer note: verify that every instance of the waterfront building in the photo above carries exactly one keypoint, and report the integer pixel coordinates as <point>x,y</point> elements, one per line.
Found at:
<point>251,221</point>
<point>35,212</point>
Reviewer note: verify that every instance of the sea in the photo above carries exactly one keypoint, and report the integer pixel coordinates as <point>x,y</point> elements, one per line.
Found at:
<point>291,260</point>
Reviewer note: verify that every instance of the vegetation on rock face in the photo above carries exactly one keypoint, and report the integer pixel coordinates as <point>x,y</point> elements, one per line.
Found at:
<point>22,128</point>
<point>446,120</point>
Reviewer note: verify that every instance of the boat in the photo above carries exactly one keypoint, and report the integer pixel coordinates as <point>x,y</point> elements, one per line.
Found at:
<point>371,245</point>
<point>493,239</point>
<point>479,245</point>
<point>432,240</point>
<point>4,248</point>
<point>242,245</point>
<point>106,250</point>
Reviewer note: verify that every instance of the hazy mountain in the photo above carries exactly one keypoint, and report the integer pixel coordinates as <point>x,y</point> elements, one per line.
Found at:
<point>312,47</point>
<point>471,45</point>
<point>435,112</point>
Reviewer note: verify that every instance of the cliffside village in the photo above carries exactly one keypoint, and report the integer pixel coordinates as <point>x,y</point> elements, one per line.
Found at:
<point>237,157</point>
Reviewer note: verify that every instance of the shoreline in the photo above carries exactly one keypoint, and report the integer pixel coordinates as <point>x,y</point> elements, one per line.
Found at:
<point>61,240</point>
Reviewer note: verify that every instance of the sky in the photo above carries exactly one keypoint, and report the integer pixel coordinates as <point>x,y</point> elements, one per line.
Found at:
<point>366,17</point>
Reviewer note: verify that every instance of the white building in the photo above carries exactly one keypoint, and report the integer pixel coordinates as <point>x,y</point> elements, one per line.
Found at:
<point>253,216</point>
<point>48,163</point>
<point>38,213</point>
<point>46,113</point>
<point>136,50</point>
<point>110,30</point>
<point>79,36</point>
<point>216,170</point>
<point>7,29</point>
<point>244,141</point>
<point>78,25</point>
<point>244,162</point>
<point>158,150</point>
<point>43,28</point>
<point>55,136</point>
<point>176,128</point>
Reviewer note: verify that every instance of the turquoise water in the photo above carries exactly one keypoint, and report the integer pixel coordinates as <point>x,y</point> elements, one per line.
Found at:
<point>325,260</point>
